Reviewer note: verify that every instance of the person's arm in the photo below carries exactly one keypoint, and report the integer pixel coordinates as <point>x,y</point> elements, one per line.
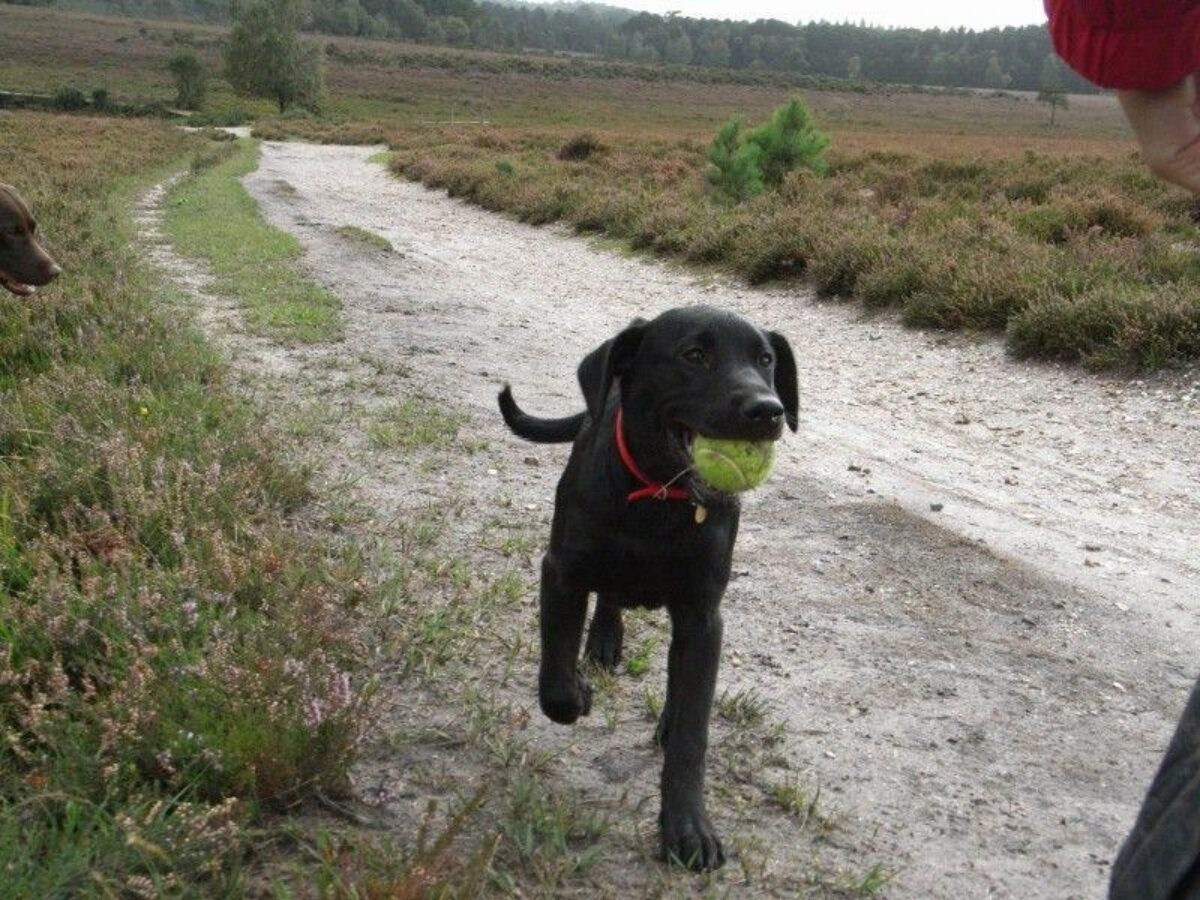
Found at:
<point>1167,126</point>
<point>1149,50</point>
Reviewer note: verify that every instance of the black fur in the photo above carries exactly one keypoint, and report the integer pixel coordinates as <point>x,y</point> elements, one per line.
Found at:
<point>691,370</point>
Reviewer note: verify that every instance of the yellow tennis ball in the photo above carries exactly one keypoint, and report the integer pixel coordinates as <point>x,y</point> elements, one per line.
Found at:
<point>732,466</point>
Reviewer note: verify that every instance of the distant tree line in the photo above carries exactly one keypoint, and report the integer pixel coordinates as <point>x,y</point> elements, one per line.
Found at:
<point>996,58</point>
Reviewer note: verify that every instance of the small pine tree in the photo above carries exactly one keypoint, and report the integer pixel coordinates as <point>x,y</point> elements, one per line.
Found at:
<point>788,141</point>
<point>734,170</point>
<point>191,81</point>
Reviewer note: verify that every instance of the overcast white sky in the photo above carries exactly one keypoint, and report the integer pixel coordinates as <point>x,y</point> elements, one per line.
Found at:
<point>923,14</point>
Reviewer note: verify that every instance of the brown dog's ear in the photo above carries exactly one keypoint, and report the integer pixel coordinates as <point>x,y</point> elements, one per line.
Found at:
<point>786,385</point>
<point>605,364</point>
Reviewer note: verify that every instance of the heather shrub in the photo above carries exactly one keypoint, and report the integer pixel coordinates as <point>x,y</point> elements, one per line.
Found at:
<point>777,245</point>
<point>840,255</point>
<point>1118,216</point>
<point>69,99</point>
<point>1033,190</point>
<point>712,239</point>
<point>1050,223</point>
<point>1147,327</point>
<point>616,213</point>
<point>948,242</point>
<point>665,228</point>
<point>491,139</point>
<point>173,655</point>
<point>580,147</point>
<point>896,275</point>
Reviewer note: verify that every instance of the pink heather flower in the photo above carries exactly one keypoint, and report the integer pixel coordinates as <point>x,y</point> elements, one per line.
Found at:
<point>314,713</point>
<point>340,696</point>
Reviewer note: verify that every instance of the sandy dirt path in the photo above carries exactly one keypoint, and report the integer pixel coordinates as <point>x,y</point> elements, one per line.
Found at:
<point>969,590</point>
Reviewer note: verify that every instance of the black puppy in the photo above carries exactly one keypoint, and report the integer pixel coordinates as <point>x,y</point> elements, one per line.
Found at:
<point>633,525</point>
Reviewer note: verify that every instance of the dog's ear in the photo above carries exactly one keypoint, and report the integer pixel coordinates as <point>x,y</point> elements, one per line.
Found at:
<point>605,364</point>
<point>786,385</point>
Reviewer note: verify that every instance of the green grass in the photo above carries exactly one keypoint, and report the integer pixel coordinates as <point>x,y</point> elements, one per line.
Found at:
<point>178,658</point>
<point>366,238</point>
<point>210,216</point>
<point>874,881</point>
<point>743,708</point>
<point>411,423</point>
<point>638,663</point>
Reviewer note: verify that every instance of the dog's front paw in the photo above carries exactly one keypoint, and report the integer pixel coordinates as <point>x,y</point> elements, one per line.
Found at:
<point>688,839</point>
<point>565,700</point>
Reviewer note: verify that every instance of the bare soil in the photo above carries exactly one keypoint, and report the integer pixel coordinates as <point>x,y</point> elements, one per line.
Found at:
<point>967,592</point>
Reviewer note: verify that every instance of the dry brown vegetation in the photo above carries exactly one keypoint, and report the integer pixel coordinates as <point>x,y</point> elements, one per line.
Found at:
<point>174,658</point>
<point>958,210</point>
<point>1078,256</point>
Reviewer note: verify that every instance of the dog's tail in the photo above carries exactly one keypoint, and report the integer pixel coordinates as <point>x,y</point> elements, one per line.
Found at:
<point>541,431</point>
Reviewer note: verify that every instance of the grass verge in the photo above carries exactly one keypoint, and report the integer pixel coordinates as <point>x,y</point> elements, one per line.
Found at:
<point>174,656</point>
<point>210,216</point>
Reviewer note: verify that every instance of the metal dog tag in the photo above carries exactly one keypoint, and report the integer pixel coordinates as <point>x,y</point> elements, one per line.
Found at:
<point>701,513</point>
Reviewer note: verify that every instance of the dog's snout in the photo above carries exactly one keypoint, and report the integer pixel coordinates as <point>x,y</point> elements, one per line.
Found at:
<point>52,270</point>
<point>763,408</point>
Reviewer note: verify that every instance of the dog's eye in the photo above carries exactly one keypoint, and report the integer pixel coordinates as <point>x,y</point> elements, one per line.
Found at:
<point>695,355</point>
<point>765,360</point>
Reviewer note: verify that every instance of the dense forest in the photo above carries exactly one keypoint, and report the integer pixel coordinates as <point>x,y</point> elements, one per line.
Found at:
<point>1017,58</point>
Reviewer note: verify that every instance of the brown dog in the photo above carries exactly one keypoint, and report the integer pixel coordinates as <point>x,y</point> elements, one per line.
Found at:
<point>24,264</point>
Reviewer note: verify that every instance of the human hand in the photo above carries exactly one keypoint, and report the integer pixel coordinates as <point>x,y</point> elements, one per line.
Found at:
<point>1167,126</point>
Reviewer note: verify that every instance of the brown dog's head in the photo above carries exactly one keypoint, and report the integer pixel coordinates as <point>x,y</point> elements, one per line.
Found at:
<point>24,264</point>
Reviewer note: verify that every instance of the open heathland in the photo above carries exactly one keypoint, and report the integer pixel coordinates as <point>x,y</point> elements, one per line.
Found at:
<point>1075,257</point>
<point>956,210</point>
<point>175,653</point>
<point>266,612</point>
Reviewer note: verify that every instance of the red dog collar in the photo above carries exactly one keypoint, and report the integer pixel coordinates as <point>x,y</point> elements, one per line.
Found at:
<point>650,489</point>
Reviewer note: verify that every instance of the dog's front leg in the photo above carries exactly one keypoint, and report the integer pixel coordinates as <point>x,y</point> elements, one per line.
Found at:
<point>687,835</point>
<point>563,692</point>
<point>607,634</point>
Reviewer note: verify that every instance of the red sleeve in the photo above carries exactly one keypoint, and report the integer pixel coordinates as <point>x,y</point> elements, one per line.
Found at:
<point>1128,44</point>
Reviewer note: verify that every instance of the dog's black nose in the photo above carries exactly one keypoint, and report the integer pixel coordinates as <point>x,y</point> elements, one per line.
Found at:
<point>762,408</point>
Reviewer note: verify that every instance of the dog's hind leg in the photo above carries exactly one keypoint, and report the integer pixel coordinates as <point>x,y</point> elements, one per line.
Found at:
<point>606,634</point>
<point>564,694</point>
<point>687,835</point>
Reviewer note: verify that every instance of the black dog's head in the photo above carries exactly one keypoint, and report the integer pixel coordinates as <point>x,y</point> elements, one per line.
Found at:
<point>694,370</point>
